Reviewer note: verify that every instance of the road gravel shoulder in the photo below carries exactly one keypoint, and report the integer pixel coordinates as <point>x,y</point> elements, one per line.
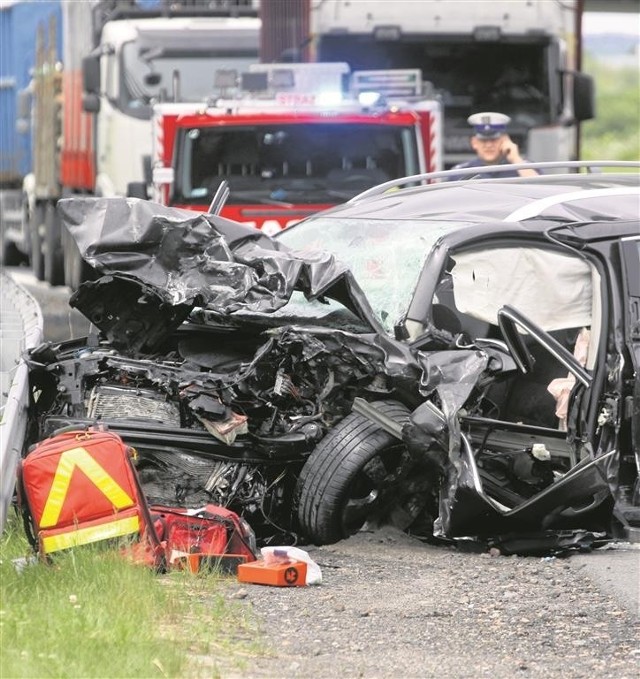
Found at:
<point>391,606</point>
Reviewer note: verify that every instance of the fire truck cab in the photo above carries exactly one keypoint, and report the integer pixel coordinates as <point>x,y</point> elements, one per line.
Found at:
<point>293,139</point>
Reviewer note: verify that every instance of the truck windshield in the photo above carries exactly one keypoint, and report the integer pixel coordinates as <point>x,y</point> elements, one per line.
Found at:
<point>162,75</point>
<point>520,78</point>
<point>300,163</point>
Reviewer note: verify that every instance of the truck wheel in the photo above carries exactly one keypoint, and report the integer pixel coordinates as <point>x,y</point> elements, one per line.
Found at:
<point>73,262</point>
<point>53,264</point>
<point>36,228</point>
<point>360,473</point>
<point>9,253</point>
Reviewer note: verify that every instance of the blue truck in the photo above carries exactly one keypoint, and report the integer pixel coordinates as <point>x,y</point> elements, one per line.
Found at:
<point>19,23</point>
<point>78,82</point>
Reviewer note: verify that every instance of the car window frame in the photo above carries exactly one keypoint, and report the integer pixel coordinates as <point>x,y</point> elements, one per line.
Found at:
<point>510,319</point>
<point>419,312</point>
<point>629,249</point>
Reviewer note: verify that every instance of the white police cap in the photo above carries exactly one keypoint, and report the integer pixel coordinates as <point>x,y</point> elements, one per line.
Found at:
<point>489,125</point>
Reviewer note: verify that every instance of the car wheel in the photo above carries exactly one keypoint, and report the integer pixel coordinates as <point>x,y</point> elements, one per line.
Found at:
<point>36,227</point>
<point>53,264</point>
<point>359,473</point>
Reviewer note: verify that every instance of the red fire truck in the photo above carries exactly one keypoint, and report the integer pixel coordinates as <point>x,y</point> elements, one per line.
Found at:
<point>293,139</point>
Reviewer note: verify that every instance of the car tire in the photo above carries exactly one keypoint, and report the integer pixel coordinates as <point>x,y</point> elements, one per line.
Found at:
<point>36,227</point>
<point>347,481</point>
<point>53,264</point>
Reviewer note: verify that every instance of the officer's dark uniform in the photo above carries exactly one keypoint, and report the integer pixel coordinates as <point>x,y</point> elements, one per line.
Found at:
<point>486,126</point>
<point>476,162</point>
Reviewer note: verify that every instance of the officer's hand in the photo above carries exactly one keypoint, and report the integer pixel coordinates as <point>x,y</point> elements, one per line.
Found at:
<point>510,150</point>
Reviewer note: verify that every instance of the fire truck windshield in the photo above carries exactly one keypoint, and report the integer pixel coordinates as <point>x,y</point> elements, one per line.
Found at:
<point>292,164</point>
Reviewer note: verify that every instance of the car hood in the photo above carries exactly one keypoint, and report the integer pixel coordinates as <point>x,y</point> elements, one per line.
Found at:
<point>158,263</point>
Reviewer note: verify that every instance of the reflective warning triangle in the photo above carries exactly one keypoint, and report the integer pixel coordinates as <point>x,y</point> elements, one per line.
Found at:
<point>80,458</point>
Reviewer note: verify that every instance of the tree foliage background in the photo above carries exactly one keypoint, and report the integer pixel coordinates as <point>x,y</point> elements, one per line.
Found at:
<point>614,134</point>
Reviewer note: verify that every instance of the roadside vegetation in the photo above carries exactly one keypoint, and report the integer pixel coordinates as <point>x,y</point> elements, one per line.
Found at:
<point>615,132</point>
<point>92,613</point>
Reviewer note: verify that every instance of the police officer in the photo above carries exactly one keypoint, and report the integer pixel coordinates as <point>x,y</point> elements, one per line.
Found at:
<point>493,146</point>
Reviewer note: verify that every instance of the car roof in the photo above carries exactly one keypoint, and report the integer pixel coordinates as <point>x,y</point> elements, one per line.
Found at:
<point>465,195</point>
<point>565,197</point>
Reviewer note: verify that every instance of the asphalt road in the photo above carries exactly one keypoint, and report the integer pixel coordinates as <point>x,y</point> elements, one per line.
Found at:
<point>61,322</point>
<point>390,606</point>
<point>615,572</point>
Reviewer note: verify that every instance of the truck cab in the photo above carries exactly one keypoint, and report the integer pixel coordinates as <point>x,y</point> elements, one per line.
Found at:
<point>518,57</point>
<point>142,61</point>
<point>91,110</point>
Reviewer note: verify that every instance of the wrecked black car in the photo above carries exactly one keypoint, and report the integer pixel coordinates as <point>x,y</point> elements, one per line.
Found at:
<point>459,359</point>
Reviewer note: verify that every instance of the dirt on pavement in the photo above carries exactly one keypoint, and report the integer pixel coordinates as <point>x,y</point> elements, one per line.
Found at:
<point>392,606</point>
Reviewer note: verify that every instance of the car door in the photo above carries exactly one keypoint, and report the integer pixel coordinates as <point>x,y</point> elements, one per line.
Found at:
<point>583,496</point>
<point>630,273</point>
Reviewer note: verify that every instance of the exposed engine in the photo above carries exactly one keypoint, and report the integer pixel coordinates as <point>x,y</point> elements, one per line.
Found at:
<point>236,436</point>
<point>110,401</point>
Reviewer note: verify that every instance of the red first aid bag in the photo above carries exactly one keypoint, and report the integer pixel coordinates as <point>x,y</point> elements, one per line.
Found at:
<point>203,538</point>
<point>79,487</point>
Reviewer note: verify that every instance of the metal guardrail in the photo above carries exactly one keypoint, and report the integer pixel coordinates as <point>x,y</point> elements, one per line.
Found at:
<point>21,328</point>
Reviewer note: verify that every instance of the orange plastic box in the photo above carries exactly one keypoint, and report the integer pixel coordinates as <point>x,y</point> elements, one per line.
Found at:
<point>225,563</point>
<point>292,574</point>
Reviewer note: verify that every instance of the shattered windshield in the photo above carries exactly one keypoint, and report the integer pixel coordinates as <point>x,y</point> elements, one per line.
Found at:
<point>286,164</point>
<point>385,258</point>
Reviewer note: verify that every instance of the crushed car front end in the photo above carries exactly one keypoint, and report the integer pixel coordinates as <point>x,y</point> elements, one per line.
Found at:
<point>222,357</point>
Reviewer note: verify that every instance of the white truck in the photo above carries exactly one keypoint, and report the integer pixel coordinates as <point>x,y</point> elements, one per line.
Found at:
<point>518,57</point>
<point>91,111</point>
<point>152,56</point>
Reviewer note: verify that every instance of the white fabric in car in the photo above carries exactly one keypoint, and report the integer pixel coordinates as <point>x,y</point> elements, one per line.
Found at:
<point>552,289</point>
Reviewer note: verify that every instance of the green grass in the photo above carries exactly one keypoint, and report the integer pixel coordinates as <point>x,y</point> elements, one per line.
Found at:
<point>614,134</point>
<point>93,614</point>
